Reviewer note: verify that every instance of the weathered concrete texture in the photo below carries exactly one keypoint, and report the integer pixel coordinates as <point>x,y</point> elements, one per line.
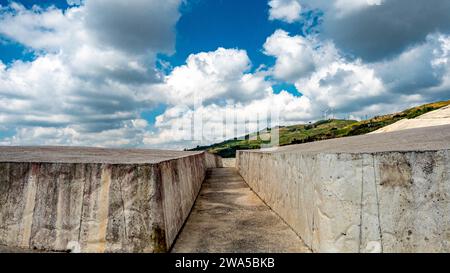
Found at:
<point>57,154</point>
<point>57,199</point>
<point>391,197</point>
<point>229,217</point>
<point>229,162</point>
<point>6,249</point>
<point>433,118</point>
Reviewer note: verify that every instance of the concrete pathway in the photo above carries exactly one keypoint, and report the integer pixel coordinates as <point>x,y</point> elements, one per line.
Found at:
<point>229,217</point>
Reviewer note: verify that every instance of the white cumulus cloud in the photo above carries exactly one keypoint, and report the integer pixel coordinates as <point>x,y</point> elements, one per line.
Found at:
<point>94,71</point>
<point>218,76</point>
<point>374,29</point>
<point>356,88</point>
<point>287,10</point>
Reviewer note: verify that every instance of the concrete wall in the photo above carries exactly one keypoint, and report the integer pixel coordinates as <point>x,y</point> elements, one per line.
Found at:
<point>368,202</point>
<point>91,207</point>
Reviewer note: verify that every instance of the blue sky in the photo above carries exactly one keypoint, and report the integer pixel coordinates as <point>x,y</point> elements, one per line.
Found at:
<point>128,73</point>
<point>43,3</point>
<point>206,25</point>
<point>11,50</point>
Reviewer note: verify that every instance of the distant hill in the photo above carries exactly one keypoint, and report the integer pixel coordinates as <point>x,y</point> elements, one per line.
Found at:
<point>321,130</point>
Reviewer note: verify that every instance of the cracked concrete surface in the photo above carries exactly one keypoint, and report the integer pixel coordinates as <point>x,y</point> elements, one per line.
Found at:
<point>55,154</point>
<point>229,217</point>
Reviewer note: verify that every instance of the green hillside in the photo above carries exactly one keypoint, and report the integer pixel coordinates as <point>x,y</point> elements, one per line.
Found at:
<point>321,130</point>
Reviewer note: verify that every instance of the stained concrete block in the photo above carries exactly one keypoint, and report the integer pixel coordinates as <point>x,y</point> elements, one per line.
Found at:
<point>375,193</point>
<point>97,200</point>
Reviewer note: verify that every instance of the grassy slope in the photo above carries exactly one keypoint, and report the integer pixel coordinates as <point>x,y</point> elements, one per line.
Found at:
<point>325,129</point>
